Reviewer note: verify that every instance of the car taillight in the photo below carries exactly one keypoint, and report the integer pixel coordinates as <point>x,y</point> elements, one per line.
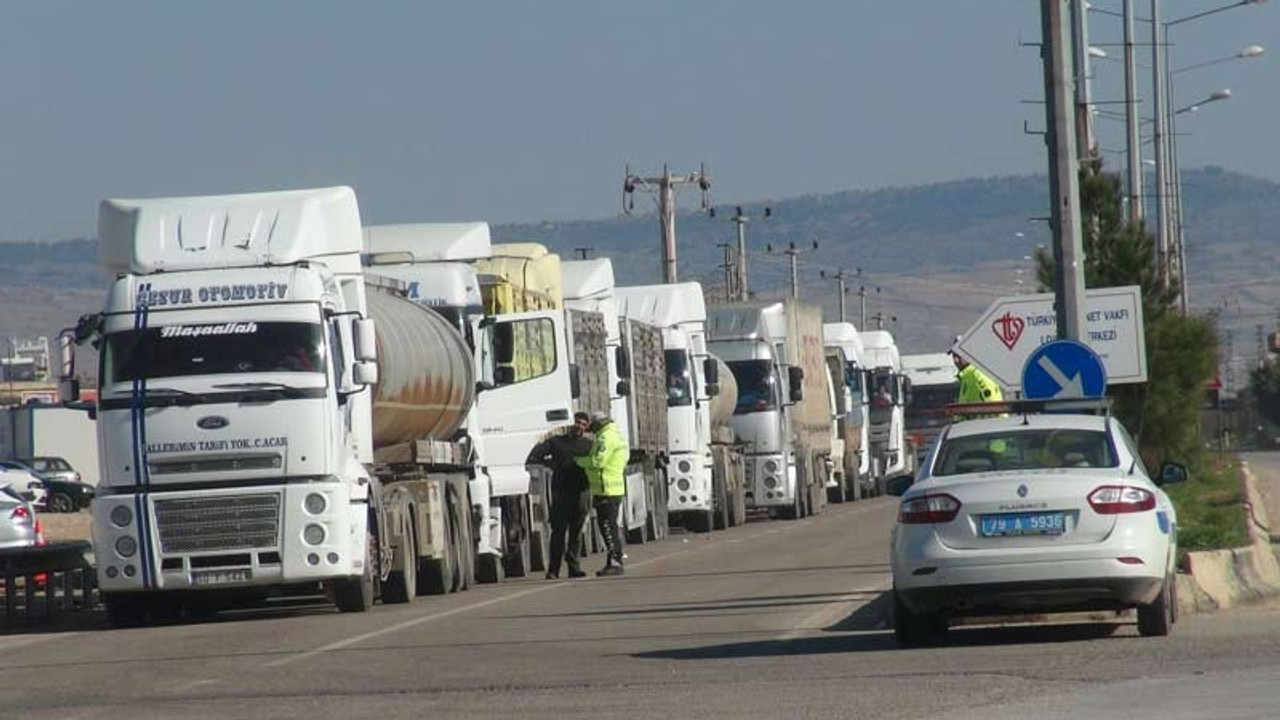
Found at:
<point>1118,499</point>
<point>928,509</point>
<point>20,513</point>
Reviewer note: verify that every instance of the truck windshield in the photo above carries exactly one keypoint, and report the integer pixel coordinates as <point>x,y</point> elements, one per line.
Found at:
<point>853,378</point>
<point>213,349</point>
<point>929,403</point>
<point>757,386</point>
<point>679,382</point>
<point>1025,450</point>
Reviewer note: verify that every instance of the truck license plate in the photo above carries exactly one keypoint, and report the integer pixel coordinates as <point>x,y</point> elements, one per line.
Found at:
<point>219,577</point>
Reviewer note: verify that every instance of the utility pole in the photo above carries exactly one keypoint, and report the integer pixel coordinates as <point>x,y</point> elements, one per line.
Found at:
<point>839,278</point>
<point>792,253</point>
<point>1084,106</point>
<point>1161,149</point>
<point>880,318</point>
<point>862,303</point>
<point>730,269</point>
<point>583,251</point>
<point>1133,139</point>
<point>665,186</point>
<point>740,220</point>
<point>1064,186</point>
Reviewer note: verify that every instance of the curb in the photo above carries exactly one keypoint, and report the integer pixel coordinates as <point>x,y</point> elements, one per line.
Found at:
<point>1218,579</point>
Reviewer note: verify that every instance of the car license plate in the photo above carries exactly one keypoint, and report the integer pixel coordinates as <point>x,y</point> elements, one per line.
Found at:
<point>219,577</point>
<point>1053,523</point>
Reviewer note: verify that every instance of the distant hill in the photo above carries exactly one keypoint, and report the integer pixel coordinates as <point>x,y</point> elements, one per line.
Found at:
<point>939,253</point>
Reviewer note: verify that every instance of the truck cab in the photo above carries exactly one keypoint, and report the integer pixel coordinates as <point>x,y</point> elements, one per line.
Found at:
<point>845,354</point>
<point>934,385</point>
<point>889,392</point>
<point>231,317</point>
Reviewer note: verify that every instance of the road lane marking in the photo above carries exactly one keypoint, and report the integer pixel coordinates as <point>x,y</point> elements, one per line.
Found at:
<point>14,643</point>
<point>197,683</point>
<point>831,612</point>
<point>355,639</point>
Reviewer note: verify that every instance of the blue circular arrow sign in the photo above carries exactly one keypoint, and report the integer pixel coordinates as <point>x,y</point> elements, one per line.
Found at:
<point>1063,369</point>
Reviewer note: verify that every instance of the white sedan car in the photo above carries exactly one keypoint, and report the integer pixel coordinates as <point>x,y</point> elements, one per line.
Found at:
<point>1033,513</point>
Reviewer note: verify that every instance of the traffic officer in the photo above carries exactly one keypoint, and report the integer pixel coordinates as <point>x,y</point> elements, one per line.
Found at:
<point>975,385</point>
<point>570,493</point>
<point>605,467</point>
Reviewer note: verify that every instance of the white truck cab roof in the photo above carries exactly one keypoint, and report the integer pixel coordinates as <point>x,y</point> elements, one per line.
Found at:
<point>666,306</point>
<point>427,242</point>
<point>583,279</point>
<point>228,231</point>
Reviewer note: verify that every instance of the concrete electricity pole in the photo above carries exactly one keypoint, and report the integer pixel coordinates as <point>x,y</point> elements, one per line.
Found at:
<point>839,278</point>
<point>665,186</point>
<point>583,252</point>
<point>793,253</point>
<point>730,269</point>
<point>1133,139</point>
<point>1084,106</point>
<point>1064,186</point>
<point>1161,147</point>
<point>740,220</point>
<point>880,317</point>
<point>862,306</point>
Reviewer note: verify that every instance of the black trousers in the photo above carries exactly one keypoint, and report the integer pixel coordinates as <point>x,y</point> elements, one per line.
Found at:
<point>607,517</point>
<point>569,513</point>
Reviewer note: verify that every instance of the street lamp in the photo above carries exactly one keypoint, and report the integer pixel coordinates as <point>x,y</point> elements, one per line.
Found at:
<point>1215,96</point>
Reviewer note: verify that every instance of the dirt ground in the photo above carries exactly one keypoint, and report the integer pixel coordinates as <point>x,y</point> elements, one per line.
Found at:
<point>66,526</point>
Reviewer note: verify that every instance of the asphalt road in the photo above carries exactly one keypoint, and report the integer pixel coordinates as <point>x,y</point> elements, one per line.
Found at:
<point>773,620</point>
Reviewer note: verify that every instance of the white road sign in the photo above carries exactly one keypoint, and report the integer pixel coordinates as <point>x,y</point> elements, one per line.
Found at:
<point>1013,327</point>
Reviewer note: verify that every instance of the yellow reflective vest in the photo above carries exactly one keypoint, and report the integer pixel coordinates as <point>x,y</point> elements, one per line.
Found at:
<point>607,462</point>
<point>976,387</point>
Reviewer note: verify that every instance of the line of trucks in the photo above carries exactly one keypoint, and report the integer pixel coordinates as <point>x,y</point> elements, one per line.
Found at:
<point>290,400</point>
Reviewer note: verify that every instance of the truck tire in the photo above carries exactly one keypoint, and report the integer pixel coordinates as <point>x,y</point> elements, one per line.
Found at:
<point>700,521</point>
<point>438,576</point>
<point>836,495</point>
<point>516,538</point>
<point>720,503</point>
<point>359,593</point>
<point>125,610</point>
<point>402,583</point>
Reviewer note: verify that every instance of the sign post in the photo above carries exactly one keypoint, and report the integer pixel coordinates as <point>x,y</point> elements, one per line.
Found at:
<point>1012,328</point>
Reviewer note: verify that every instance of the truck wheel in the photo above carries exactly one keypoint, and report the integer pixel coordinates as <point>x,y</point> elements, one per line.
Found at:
<point>358,594</point>
<point>517,543</point>
<point>402,583</point>
<point>720,504</point>
<point>124,610</point>
<point>836,495</point>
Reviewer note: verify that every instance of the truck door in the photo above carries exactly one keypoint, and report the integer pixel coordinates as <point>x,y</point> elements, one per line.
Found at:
<point>526,394</point>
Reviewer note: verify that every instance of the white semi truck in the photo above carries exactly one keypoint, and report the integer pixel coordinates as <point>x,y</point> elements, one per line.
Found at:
<point>845,354</point>
<point>889,392</point>
<point>705,487</point>
<point>934,385</point>
<point>783,414</point>
<point>256,433</point>
<point>636,384</point>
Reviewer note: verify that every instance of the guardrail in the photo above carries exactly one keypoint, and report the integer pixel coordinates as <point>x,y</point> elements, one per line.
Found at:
<point>48,578</point>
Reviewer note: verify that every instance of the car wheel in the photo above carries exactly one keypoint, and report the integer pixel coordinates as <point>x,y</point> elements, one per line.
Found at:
<point>913,630</point>
<point>60,503</point>
<point>1156,619</point>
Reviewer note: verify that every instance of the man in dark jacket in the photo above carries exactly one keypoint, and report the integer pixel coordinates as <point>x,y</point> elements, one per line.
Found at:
<point>570,493</point>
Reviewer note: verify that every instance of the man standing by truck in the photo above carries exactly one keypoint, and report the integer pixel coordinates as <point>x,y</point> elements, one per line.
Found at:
<point>570,493</point>
<point>605,467</point>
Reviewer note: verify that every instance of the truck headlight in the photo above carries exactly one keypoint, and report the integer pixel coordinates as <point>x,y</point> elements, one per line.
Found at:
<point>684,466</point>
<point>771,466</point>
<point>683,484</point>
<point>771,482</point>
<point>126,546</point>
<point>121,516</point>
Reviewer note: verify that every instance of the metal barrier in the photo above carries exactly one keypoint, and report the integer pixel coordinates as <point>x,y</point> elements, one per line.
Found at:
<point>58,572</point>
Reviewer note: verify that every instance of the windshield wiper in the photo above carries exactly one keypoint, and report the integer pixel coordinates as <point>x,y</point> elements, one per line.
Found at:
<point>268,389</point>
<point>183,395</point>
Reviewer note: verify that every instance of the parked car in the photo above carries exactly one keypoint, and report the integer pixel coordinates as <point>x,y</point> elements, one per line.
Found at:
<point>59,494</point>
<point>51,468</point>
<point>17,519</point>
<point>1033,513</point>
<point>24,482</point>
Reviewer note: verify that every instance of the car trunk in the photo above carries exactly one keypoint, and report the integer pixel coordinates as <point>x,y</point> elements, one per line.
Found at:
<point>1020,509</point>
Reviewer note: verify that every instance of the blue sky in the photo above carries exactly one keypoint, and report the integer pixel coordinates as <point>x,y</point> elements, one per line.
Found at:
<point>529,110</point>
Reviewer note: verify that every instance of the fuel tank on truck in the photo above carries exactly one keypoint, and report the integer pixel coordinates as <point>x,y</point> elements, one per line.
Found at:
<point>426,379</point>
<point>722,405</point>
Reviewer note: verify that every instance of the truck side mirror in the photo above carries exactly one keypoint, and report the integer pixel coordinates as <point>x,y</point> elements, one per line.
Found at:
<point>795,381</point>
<point>68,385</point>
<point>711,371</point>
<point>624,388</point>
<point>504,375</point>
<point>906,391</point>
<point>622,359</point>
<point>575,381</point>
<point>366,341</point>
<point>68,390</point>
<point>364,373</point>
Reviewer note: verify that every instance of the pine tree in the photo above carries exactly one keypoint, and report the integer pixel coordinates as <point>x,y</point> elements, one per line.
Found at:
<point>1163,413</point>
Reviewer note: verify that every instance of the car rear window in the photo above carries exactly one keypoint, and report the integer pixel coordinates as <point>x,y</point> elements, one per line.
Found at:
<point>1030,449</point>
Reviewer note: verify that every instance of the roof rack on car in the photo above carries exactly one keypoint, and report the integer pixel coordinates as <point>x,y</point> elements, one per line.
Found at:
<point>1077,406</point>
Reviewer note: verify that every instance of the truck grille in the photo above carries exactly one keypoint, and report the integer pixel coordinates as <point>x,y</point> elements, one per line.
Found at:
<point>218,523</point>
<point>223,464</point>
